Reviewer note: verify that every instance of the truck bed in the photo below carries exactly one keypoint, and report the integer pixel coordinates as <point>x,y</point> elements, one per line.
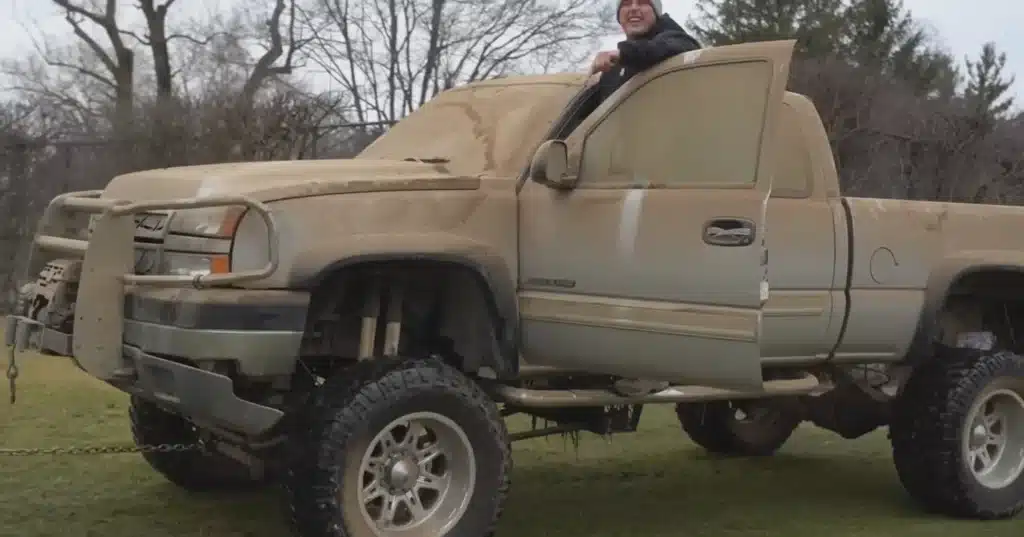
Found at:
<point>887,252</point>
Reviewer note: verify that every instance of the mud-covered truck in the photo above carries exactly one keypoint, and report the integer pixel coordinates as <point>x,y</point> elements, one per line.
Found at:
<point>358,330</point>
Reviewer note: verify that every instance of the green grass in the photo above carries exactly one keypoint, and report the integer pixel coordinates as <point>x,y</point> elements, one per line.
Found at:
<point>653,483</point>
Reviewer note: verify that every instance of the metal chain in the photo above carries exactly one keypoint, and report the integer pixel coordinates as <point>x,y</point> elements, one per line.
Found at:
<point>98,450</point>
<point>12,371</point>
<point>12,377</point>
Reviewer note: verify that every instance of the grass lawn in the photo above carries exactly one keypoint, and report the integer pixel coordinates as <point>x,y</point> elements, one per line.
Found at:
<point>653,483</point>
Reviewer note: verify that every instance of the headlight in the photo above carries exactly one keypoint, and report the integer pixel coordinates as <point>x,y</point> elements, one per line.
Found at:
<point>213,240</point>
<point>199,241</point>
<point>182,264</point>
<point>250,249</point>
<point>207,222</point>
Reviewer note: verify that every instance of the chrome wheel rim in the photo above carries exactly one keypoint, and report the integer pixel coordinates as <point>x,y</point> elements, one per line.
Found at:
<point>993,438</point>
<point>416,476</point>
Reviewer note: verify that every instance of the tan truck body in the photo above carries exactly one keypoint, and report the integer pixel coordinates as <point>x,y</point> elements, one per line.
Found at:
<point>714,253</point>
<point>617,265</point>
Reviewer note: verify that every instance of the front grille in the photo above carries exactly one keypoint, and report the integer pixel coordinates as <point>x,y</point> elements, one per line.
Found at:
<point>150,233</point>
<point>151,227</point>
<point>148,258</point>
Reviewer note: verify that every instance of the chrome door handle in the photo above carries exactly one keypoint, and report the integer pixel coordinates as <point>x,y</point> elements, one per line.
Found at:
<point>729,232</point>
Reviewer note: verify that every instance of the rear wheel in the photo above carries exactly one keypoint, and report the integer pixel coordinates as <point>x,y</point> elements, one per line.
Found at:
<point>958,434</point>
<point>754,428</point>
<point>412,448</point>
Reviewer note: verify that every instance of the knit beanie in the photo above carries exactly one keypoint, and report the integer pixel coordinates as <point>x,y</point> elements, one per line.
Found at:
<point>656,4</point>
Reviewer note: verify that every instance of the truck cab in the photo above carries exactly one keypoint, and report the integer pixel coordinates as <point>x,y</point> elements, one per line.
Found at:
<point>674,228</point>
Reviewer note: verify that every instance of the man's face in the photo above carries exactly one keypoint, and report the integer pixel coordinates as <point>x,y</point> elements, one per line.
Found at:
<point>636,17</point>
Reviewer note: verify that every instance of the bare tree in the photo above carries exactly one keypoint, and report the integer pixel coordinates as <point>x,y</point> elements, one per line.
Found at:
<point>158,40</point>
<point>245,50</point>
<point>119,62</point>
<point>391,56</point>
<point>283,44</point>
<point>84,79</point>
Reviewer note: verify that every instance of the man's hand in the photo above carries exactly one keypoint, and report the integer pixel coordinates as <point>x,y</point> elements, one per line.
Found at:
<point>604,61</point>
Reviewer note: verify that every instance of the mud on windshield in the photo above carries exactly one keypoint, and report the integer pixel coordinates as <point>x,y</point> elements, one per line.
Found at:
<point>476,129</point>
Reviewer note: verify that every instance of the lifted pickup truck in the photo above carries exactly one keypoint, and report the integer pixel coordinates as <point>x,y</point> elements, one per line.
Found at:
<point>360,328</point>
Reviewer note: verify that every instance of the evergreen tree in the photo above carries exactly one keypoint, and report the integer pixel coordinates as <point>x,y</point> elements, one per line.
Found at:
<point>987,87</point>
<point>878,34</point>
<point>882,34</point>
<point>815,24</point>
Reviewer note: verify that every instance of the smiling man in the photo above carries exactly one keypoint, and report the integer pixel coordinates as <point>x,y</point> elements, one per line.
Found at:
<point>651,36</point>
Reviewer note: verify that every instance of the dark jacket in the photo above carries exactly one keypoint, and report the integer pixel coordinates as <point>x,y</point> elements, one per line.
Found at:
<point>666,39</point>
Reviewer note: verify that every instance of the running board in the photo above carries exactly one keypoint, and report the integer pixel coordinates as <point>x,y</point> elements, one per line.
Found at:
<point>530,398</point>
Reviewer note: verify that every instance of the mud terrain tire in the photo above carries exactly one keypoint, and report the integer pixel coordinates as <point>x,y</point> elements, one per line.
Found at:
<point>342,473</point>
<point>715,427</point>
<point>946,412</point>
<point>194,471</point>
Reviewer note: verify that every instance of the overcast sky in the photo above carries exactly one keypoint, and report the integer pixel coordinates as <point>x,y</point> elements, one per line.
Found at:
<point>962,25</point>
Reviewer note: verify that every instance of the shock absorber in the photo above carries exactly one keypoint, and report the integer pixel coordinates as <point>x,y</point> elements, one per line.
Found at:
<point>371,317</point>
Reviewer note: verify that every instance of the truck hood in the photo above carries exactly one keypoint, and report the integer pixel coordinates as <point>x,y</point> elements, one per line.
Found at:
<point>277,180</point>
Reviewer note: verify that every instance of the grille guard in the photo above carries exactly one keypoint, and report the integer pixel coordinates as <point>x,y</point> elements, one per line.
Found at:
<point>108,260</point>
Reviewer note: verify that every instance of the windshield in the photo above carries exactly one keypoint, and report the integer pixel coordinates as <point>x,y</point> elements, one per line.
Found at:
<point>488,128</point>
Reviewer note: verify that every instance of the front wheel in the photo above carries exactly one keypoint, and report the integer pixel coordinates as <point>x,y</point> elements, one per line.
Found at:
<point>958,434</point>
<point>192,470</point>
<point>389,447</point>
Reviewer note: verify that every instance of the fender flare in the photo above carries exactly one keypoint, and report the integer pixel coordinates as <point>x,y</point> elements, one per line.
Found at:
<point>943,277</point>
<point>490,269</point>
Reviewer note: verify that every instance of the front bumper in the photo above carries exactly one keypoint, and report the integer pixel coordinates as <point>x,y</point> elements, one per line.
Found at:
<point>259,331</point>
<point>183,389</point>
<point>142,333</point>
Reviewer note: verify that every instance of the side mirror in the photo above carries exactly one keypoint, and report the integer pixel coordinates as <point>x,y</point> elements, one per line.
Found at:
<point>550,164</point>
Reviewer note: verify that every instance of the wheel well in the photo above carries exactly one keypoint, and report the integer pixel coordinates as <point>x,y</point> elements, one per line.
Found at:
<point>990,300</point>
<point>447,307</point>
